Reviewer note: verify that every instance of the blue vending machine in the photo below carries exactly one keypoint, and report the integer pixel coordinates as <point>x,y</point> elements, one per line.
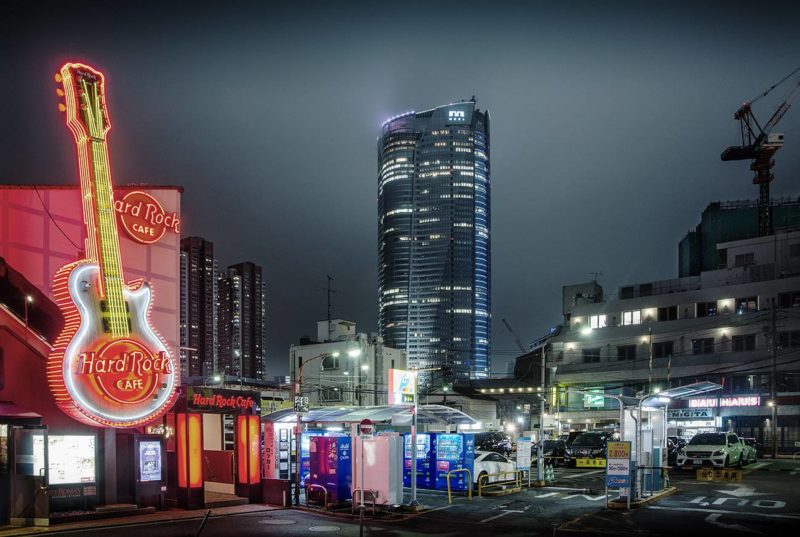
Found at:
<point>454,452</point>
<point>330,465</point>
<point>426,479</point>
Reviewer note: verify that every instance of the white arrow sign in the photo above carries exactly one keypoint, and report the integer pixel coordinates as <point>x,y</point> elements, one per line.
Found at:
<point>743,492</point>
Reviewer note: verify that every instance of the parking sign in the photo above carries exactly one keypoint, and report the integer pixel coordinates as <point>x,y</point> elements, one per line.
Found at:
<point>618,467</point>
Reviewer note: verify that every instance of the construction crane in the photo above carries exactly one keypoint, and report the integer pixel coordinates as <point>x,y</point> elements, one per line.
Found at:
<point>522,348</point>
<point>759,144</point>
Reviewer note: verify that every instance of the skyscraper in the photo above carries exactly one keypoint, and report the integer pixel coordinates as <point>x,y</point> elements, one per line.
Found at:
<point>433,238</point>
<point>198,330</point>
<point>242,312</point>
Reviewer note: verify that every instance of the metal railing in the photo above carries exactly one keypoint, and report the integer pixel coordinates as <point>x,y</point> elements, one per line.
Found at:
<point>310,486</point>
<point>469,483</point>
<point>516,481</point>
<point>370,493</point>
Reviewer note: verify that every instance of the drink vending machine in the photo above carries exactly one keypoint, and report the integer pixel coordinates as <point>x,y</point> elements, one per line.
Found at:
<point>426,460</point>
<point>330,466</point>
<point>454,452</point>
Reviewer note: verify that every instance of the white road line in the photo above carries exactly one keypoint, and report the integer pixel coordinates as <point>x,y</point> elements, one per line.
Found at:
<point>724,512</point>
<point>437,509</point>
<point>504,513</point>
<point>756,466</point>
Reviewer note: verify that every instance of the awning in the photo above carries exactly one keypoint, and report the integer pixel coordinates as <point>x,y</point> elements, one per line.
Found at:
<point>396,415</point>
<point>10,410</point>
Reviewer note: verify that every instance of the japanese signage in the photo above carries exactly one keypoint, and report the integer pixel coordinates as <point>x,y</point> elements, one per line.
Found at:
<point>524,453</point>
<point>301,404</point>
<point>402,387</point>
<point>713,402</point>
<point>618,466</point>
<point>216,400</point>
<point>689,413</point>
<point>144,219</point>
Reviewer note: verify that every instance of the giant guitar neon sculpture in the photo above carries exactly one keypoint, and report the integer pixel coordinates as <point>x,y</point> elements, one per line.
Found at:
<point>108,367</point>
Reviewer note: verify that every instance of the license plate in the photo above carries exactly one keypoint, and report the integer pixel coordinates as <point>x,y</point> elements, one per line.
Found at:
<point>697,461</point>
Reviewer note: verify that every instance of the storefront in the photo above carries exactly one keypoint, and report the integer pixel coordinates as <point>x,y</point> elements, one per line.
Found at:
<point>746,414</point>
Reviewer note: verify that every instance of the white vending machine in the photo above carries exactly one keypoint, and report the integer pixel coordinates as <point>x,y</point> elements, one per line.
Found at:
<point>381,458</point>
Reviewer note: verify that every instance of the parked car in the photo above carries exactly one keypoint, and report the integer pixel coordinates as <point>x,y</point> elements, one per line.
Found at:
<point>749,453</point>
<point>496,442</point>
<point>721,450</point>
<point>555,452</point>
<point>489,462</point>
<point>755,444</point>
<point>588,445</point>
<point>679,441</point>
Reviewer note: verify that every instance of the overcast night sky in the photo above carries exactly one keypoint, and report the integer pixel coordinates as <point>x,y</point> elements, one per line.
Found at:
<point>608,119</point>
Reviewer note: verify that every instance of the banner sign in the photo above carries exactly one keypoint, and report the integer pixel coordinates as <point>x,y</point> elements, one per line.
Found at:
<point>736,400</point>
<point>524,453</point>
<point>402,387</point>
<point>618,467</point>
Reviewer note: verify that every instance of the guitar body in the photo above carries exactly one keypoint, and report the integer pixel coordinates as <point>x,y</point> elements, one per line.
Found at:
<point>115,377</point>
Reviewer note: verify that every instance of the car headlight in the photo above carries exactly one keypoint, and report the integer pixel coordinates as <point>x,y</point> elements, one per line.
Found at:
<point>717,453</point>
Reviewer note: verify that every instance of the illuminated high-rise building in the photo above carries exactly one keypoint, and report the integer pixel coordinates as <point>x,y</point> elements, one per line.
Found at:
<point>198,331</point>
<point>433,239</point>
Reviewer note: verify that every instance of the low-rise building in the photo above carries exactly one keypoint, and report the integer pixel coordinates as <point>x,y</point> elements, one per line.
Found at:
<point>343,367</point>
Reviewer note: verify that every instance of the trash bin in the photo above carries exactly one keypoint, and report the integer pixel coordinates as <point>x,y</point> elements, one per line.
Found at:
<point>277,492</point>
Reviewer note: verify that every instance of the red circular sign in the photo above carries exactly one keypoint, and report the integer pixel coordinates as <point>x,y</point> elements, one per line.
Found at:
<point>366,427</point>
<point>143,217</point>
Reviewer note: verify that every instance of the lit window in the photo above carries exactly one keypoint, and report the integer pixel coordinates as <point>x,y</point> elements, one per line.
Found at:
<point>631,317</point>
<point>597,321</point>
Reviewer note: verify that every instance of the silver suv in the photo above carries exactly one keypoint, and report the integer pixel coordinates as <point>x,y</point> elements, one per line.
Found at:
<point>720,450</point>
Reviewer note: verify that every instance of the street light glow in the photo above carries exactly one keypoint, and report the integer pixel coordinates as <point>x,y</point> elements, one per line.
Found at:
<point>586,331</point>
<point>354,353</point>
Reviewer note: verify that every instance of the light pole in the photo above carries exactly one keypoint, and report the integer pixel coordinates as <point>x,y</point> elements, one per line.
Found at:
<point>299,424</point>
<point>28,300</point>
<point>414,503</point>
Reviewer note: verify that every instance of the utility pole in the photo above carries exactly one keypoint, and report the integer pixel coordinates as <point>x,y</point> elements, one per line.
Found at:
<point>774,352</point>
<point>650,361</point>
<point>330,292</point>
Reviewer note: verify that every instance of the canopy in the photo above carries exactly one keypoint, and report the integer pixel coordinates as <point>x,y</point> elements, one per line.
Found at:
<point>396,415</point>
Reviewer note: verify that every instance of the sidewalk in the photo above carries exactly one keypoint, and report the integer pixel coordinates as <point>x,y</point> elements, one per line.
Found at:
<point>166,515</point>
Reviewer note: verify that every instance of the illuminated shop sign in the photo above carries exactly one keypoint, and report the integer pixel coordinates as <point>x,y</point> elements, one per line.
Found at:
<point>741,400</point>
<point>108,366</point>
<point>71,459</point>
<point>213,400</point>
<point>402,387</point>
<point>689,413</point>
<point>144,219</point>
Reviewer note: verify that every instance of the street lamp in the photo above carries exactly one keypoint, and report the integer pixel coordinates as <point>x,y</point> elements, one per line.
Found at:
<point>28,300</point>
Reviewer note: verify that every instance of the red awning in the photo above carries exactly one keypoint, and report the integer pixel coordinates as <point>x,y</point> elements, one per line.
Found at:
<point>10,410</point>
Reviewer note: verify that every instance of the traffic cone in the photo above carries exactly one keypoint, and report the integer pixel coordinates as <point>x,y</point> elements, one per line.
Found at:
<point>549,474</point>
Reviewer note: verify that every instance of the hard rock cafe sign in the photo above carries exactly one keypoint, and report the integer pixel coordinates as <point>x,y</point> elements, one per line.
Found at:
<point>144,219</point>
<point>108,366</point>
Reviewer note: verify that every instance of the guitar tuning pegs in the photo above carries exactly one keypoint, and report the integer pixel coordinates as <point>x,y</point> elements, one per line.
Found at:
<point>58,78</point>
<point>62,107</point>
<point>59,92</point>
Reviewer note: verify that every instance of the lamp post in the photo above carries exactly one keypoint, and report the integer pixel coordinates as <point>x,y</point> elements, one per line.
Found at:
<point>299,424</point>
<point>28,300</point>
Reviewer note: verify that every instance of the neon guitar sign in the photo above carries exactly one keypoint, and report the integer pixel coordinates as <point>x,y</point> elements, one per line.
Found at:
<point>109,366</point>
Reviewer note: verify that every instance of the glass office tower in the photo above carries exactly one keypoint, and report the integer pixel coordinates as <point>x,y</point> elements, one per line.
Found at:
<point>433,238</point>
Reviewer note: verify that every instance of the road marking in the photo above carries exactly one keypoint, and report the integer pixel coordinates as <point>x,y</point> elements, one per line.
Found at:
<point>743,491</point>
<point>545,495</point>
<point>712,519</point>
<point>585,497</point>
<point>723,512</point>
<point>756,466</point>
<point>504,513</point>
<point>437,509</point>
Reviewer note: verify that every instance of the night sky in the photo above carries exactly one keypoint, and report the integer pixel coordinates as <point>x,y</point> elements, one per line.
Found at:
<point>608,119</point>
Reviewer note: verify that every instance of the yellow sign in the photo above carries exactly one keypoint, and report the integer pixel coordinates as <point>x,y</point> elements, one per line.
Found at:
<point>619,450</point>
<point>590,463</point>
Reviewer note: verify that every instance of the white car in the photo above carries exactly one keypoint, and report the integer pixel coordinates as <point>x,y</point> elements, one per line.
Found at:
<point>488,463</point>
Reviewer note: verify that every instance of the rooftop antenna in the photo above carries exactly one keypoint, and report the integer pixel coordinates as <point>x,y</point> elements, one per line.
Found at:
<point>596,275</point>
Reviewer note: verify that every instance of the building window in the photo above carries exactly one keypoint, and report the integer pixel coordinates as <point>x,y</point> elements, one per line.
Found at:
<point>626,292</point>
<point>591,355</point>
<point>597,321</point>
<point>626,352</point>
<point>631,317</point>
<point>743,343</point>
<point>645,289</point>
<point>662,349</point>
<point>744,260</point>
<point>330,363</point>
<point>707,309</point>
<point>786,340</point>
<point>746,304</point>
<point>790,299</point>
<point>703,345</point>
<point>330,394</point>
<point>669,313</point>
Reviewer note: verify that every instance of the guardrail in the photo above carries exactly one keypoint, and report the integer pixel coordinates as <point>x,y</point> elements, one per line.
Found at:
<point>483,481</point>
<point>324,490</point>
<point>469,483</point>
<point>369,492</point>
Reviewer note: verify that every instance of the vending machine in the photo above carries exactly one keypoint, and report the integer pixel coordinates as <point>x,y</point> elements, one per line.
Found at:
<point>454,452</point>
<point>330,465</point>
<point>379,458</point>
<point>426,461</point>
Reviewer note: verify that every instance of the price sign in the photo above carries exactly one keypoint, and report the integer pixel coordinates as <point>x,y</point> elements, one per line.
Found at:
<point>618,467</point>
